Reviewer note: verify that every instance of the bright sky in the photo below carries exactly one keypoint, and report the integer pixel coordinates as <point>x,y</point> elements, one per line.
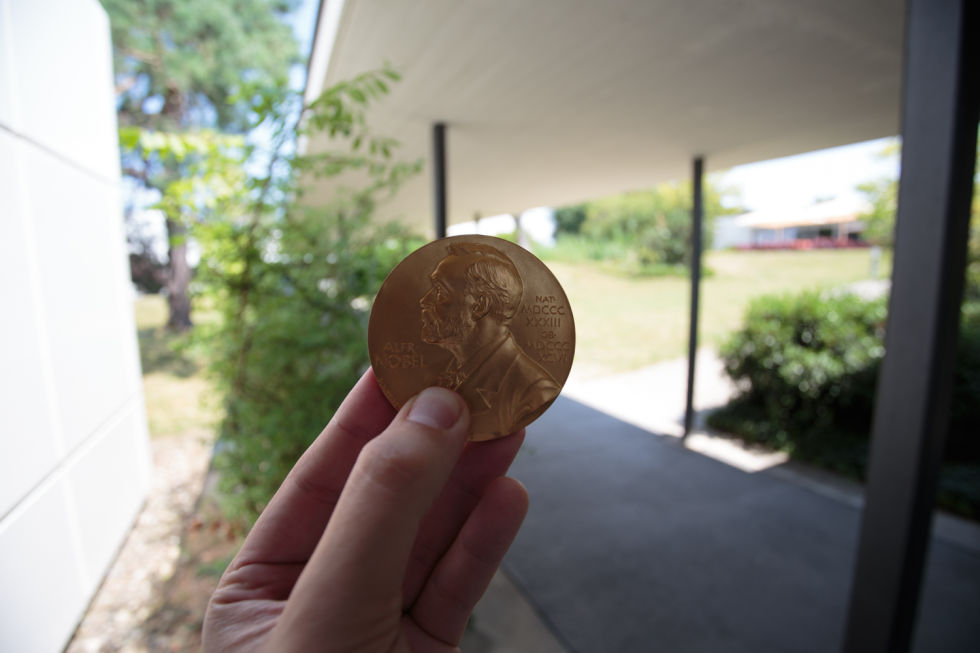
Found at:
<point>799,180</point>
<point>303,21</point>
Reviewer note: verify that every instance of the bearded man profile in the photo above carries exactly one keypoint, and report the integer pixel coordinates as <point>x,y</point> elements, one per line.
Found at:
<point>476,292</point>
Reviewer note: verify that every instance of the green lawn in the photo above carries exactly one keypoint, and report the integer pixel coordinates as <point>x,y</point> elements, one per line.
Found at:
<point>625,323</point>
<point>178,398</point>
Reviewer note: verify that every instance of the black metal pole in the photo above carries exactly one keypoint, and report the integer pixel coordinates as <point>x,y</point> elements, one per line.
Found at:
<point>439,178</point>
<point>939,132</point>
<point>697,217</point>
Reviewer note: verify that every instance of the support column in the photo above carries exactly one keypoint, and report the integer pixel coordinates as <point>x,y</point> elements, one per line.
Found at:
<point>697,218</point>
<point>939,131</point>
<point>439,178</point>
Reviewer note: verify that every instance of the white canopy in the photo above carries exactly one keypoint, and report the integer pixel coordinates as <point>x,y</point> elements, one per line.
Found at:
<point>549,102</point>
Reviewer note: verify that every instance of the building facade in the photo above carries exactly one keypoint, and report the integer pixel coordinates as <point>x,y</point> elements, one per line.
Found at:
<point>74,449</point>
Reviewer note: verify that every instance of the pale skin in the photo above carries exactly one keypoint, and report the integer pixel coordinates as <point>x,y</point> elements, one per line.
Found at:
<point>382,538</point>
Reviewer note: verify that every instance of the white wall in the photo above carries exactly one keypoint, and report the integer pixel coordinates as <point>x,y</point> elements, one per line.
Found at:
<point>729,234</point>
<point>74,453</point>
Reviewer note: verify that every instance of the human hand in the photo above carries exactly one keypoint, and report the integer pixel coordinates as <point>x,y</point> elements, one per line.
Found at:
<point>382,537</point>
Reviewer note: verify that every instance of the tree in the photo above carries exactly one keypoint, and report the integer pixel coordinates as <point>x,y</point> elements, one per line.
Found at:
<point>882,195</point>
<point>879,220</point>
<point>569,219</point>
<point>656,224</point>
<point>190,64</point>
<point>208,188</point>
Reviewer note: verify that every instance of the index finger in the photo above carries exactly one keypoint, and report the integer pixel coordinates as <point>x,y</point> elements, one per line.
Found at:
<point>289,528</point>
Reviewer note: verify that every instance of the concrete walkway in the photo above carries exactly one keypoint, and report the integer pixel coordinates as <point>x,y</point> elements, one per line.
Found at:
<point>637,543</point>
<point>653,399</point>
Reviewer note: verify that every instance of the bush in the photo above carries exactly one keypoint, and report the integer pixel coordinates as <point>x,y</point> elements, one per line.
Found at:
<point>655,225</point>
<point>808,365</point>
<point>614,256</point>
<point>963,439</point>
<point>642,233</point>
<point>809,360</point>
<point>569,219</point>
<point>293,288</point>
<point>291,342</point>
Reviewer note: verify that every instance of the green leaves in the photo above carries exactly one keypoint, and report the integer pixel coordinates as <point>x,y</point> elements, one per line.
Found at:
<point>178,62</point>
<point>195,145</point>
<point>648,231</point>
<point>129,138</point>
<point>879,220</point>
<point>294,284</point>
<point>293,295</point>
<point>806,358</point>
<point>198,173</point>
<point>808,364</point>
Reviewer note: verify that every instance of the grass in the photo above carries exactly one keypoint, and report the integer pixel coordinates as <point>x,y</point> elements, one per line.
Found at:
<point>178,397</point>
<point>622,323</point>
<point>625,323</point>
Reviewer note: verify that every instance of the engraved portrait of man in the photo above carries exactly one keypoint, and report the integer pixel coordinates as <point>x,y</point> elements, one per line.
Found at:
<point>475,293</point>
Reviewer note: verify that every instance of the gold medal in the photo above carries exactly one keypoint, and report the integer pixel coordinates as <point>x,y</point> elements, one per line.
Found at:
<point>478,315</point>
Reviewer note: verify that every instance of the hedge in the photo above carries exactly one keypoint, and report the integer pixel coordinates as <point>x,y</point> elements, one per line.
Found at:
<point>807,366</point>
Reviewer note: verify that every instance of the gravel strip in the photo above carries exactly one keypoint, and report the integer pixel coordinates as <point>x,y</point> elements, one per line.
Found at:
<point>130,591</point>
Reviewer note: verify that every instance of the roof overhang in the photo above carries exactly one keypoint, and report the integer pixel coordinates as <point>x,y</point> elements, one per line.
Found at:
<point>556,101</point>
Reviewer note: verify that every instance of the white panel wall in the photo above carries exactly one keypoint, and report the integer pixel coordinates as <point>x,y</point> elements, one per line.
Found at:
<point>74,452</point>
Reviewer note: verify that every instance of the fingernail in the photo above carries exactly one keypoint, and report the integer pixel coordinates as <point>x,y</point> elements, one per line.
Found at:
<point>435,407</point>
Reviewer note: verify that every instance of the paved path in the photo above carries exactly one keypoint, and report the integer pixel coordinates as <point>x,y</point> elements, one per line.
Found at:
<point>132,589</point>
<point>633,542</point>
<point>653,397</point>
<point>637,543</point>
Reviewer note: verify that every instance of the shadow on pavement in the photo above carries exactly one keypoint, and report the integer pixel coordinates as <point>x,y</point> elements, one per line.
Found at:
<point>635,543</point>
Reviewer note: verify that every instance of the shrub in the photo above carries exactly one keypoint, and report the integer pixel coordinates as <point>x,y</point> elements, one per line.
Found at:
<point>807,366</point>
<point>809,360</point>
<point>642,233</point>
<point>655,224</point>
<point>569,219</point>
<point>291,342</point>
<point>963,438</point>
<point>293,287</point>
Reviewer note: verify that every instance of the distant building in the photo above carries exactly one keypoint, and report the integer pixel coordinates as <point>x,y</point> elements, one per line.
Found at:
<point>828,224</point>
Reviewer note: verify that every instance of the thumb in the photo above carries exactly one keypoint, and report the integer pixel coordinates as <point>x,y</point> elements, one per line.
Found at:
<point>364,551</point>
<point>405,467</point>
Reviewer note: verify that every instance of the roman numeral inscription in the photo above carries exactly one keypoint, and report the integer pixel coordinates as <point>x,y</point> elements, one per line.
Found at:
<point>543,313</point>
